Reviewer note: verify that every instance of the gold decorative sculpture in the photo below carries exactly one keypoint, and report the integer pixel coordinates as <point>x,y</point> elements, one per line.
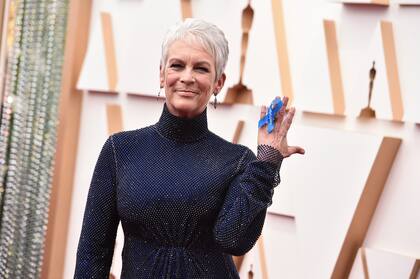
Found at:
<point>368,111</point>
<point>239,93</point>
<point>250,273</point>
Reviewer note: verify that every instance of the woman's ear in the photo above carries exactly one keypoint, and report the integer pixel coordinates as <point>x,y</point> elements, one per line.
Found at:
<point>161,76</point>
<point>220,82</point>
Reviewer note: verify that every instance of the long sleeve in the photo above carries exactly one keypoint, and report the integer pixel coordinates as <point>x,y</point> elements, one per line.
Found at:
<point>100,222</point>
<point>241,219</point>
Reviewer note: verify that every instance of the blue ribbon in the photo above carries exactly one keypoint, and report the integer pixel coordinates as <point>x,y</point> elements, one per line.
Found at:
<point>270,117</point>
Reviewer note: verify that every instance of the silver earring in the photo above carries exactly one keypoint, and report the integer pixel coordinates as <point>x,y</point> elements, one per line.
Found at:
<point>160,89</point>
<point>215,101</point>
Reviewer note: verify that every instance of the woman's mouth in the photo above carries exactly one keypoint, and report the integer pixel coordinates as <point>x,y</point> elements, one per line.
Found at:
<point>187,93</point>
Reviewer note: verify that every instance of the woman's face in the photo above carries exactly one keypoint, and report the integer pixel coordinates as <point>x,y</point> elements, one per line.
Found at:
<point>189,79</point>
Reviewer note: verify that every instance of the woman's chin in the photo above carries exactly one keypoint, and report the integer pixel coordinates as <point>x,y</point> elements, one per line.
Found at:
<point>185,107</point>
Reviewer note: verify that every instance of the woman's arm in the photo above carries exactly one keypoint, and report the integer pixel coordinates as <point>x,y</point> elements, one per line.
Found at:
<point>100,222</point>
<point>242,216</point>
<point>241,219</point>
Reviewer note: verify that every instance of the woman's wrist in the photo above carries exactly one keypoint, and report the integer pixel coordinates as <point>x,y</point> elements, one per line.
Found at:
<point>267,153</point>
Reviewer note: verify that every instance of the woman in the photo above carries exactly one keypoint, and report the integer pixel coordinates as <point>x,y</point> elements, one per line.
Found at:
<point>186,198</point>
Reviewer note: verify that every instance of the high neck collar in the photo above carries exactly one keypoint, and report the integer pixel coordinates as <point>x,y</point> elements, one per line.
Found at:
<point>182,129</point>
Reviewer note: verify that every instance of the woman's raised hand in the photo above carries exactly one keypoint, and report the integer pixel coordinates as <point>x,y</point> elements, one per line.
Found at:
<point>278,137</point>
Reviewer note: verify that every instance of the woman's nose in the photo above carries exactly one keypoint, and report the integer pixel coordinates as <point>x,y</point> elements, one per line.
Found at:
<point>187,76</point>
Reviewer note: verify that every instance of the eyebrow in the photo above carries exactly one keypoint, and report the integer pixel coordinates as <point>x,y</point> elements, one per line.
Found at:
<point>204,63</point>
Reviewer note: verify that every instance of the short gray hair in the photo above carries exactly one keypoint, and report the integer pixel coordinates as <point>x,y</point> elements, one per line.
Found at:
<point>207,34</point>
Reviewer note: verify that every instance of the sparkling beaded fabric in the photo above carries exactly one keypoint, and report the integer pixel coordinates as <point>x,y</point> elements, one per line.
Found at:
<point>187,200</point>
<point>29,118</point>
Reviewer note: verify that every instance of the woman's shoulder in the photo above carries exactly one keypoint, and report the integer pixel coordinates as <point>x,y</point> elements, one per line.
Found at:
<point>228,147</point>
<point>129,136</point>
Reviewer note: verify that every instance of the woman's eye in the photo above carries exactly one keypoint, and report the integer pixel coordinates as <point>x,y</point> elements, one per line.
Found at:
<point>176,66</point>
<point>203,69</point>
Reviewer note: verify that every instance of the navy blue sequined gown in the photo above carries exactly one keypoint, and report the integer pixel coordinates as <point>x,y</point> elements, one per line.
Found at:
<point>186,198</point>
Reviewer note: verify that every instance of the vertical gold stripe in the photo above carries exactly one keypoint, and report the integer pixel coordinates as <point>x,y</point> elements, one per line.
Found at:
<point>415,270</point>
<point>67,139</point>
<point>366,206</point>
<point>110,57</point>
<point>186,9</point>
<point>238,131</point>
<point>392,70</point>
<point>10,22</point>
<point>238,260</point>
<point>364,262</point>
<point>380,2</point>
<point>282,53</point>
<point>3,20</point>
<point>334,67</point>
<point>114,118</point>
<point>263,260</point>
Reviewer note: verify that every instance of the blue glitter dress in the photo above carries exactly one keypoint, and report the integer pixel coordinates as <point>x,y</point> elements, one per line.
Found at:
<point>186,198</point>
